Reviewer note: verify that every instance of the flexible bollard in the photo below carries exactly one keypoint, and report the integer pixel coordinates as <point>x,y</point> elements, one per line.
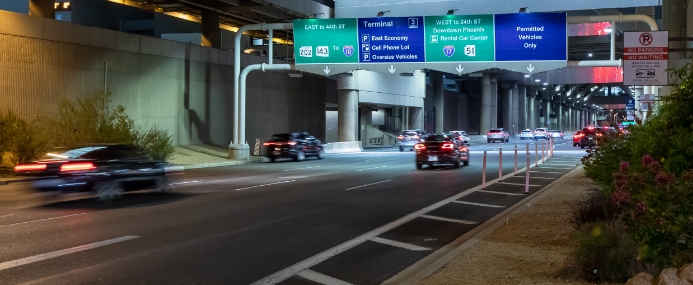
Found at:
<point>527,173</point>
<point>515,173</point>
<point>542,151</point>
<point>500,164</point>
<point>553,144</point>
<point>536,154</point>
<point>483,173</point>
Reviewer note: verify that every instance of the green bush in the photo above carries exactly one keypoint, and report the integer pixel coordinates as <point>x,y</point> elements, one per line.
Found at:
<point>157,143</point>
<point>648,174</point>
<point>25,140</point>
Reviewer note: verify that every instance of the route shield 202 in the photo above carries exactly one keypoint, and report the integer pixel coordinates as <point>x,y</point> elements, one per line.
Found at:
<point>326,46</point>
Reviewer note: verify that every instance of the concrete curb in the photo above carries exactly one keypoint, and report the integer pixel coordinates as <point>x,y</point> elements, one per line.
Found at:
<point>432,263</point>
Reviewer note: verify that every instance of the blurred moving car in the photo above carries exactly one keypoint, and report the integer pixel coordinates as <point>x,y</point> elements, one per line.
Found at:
<point>463,135</point>
<point>497,135</point>
<point>541,133</point>
<point>297,146</point>
<point>441,149</point>
<point>576,138</point>
<point>408,138</point>
<point>526,134</point>
<point>590,137</point>
<point>105,170</point>
<point>556,134</point>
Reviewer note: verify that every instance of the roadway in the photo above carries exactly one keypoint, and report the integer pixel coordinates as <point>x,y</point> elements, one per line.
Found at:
<point>356,218</point>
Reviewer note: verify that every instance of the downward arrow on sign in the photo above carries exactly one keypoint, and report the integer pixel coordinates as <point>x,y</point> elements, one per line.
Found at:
<point>392,69</point>
<point>459,69</point>
<point>530,68</point>
<point>326,70</point>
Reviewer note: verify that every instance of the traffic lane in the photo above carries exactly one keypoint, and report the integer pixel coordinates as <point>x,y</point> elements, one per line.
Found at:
<point>386,211</point>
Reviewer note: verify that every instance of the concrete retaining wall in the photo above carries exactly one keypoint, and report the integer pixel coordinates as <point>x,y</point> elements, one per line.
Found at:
<point>343,147</point>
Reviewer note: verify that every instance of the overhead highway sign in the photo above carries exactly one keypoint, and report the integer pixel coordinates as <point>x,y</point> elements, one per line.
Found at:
<point>326,46</point>
<point>459,43</point>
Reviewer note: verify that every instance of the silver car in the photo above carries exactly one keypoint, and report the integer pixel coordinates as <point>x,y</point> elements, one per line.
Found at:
<point>465,137</point>
<point>556,134</point>
<point>408,138</point>
<point>526,134</point>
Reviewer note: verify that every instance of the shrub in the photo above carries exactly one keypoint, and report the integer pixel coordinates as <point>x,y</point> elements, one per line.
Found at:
<point>596,208</point>
<point>25,140</point>
<point>157,143</point>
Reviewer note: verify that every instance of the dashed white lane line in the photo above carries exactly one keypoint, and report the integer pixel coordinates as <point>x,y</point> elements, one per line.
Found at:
<point>478,204</point>
<point>188,182</point>
<point>321,278</point>
<point>5,216</point>
<point>294,169</point>
<point>293,177</point>
<point>40,220</point>
<point>352,188</point>
<point>504,193</point>
<point>54,254</point>
<point>371,168</point>
<point>399,244</point>
<point>449,220</point>
<point>263,185</point>
<point>518,184</point>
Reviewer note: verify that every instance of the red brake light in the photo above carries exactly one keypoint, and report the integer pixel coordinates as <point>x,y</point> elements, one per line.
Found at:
<point>448,146</point>
<point>80,166</point>
<point>416,137</point>
<point>267,143</point>
<point>400,137</point>
<point>29,167</point>
<point>292,143</point>
<point>419,146</point>
<point>464,148</point>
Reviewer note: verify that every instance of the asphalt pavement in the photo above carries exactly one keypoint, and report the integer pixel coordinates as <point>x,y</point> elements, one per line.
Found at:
<point>353,218</point>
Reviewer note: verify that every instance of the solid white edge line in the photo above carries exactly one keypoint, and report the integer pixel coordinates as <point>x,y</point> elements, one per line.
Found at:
<point>309,167</point>
<point>321,278</point>
<point>518,184</point>
<point>54,254</point>
<point>510,194</point>
<point>399,244</point>
<point>352,188</point>
<point>263,185</point>
<point>292,270</point>
<point>478,204</point>
<point>449,220</point>
<point>188,182</point>
<point>40,220</point>
<point>546,172</point>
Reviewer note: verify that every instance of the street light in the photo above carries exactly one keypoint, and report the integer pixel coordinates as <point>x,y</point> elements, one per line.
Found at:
<point>382,13</point>
<point>452,11</point>
<point>523,9</point>
<point>312,16</point>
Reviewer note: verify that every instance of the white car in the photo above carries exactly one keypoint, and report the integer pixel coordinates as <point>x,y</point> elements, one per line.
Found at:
<point>541,133</point>
<point>527,134</point>
<point>465,137</point>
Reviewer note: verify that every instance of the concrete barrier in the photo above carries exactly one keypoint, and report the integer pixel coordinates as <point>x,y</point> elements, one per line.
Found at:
<point>343,147</point>
<point>477,139</point>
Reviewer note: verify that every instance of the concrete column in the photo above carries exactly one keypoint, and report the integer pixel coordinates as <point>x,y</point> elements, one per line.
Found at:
<point>366,113</point>
<point>42,8</point>
<point>515,104</point>
<point>531,110</point>
<point>674,20</point>
<point>348,108</point>
<point>494,101</point>
<point>547,110</point>
<point>639,91</point>
<point>438,99</point>
<point>416,118</point>
<point>485,120</point>
<point>211,33</point>
<point>506,108</point>
<point>570,127</point>
<point>560,116</point>
<point>521,108</point>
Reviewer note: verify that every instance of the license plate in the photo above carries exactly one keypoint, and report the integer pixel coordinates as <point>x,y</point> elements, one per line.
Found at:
<point>277,152</point>
<point>432,158</point>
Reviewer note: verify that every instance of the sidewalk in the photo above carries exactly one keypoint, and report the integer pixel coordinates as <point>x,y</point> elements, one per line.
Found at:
<point>530,247</point>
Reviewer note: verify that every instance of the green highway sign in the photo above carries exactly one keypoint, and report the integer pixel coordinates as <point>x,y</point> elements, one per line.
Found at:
<point>326,41</point>
<point>459,38</point>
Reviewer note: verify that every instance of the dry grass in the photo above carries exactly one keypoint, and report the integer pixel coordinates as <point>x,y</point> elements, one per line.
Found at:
<point>530,249</point>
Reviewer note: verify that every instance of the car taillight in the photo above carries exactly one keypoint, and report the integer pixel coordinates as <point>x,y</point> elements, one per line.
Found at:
<point>416,137</point>
<point>419,146</point>
<point>400,137</point>
<point>448,146</point>
<point>292,143</point>
<point>30,167</point>
<point>464,148</point>
<point>268,143</point>
<point>80,166</point>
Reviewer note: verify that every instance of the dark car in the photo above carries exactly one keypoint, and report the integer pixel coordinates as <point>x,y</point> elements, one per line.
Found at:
<point>441,149</point>
<point>297,146</point>
<point>590,137</point>
<point>105,170</point>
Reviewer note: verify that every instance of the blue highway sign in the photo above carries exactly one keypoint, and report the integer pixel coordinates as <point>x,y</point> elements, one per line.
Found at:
<point>391,40</point>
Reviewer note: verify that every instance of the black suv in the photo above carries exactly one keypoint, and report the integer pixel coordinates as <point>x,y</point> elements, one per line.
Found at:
<point>105,170</point>
<point>590,136</point>
<point>293,145</point>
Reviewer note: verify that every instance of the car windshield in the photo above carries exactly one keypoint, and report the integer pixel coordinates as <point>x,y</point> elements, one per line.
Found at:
<point>539,130</point>
<point>282,137</point>
<point>93,152</point>
<point>437,138</point>
<point>409,133</point>
<point>526,131</point>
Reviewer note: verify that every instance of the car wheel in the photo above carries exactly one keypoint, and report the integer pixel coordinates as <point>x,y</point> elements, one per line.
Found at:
<point>419,165</point>
<point>466,162</point>
<point>300,156</point>
<point>321,154</point>
<point>507,140</point>
<point>164,185</point>
<point>457,163</point>
<point>582,146</point>
<point>108,190</point>
<point>411,149</point>
<point>401,149</point>
<point>272,159</point>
